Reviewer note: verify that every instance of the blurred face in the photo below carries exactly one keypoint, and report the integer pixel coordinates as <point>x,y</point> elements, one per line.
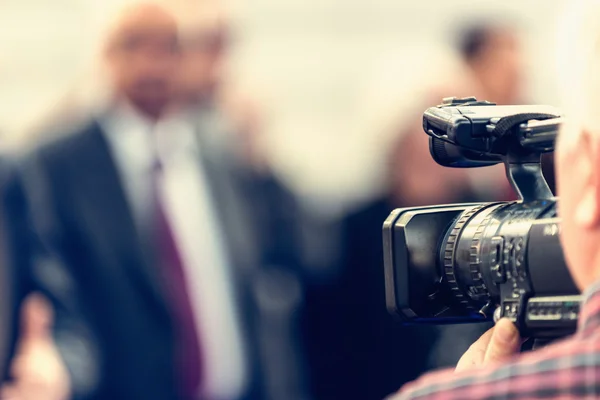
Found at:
<point>199,74</point>
<point>578,182</point>
<point>499,68</point>
<point>142,57</point>
<point>418,180</point>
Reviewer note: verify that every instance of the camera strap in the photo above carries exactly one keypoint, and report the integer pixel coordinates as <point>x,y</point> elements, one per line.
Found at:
<point>506,124</point>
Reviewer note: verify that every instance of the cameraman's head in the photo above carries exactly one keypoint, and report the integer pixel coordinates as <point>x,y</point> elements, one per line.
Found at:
<point>493,55</point>
<point>578,148</point>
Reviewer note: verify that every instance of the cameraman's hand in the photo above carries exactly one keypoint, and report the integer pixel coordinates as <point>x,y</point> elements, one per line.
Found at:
<point>37,369</point>
<point>498,343</point>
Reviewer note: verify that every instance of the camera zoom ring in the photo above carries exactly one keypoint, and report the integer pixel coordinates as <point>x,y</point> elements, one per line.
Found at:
<point>478,285</point>
<point>449,252</point>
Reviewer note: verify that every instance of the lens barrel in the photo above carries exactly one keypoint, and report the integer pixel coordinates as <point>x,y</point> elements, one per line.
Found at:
<point>486,253</point>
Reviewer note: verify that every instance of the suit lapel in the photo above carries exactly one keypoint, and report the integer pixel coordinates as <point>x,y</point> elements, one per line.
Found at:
<point>236,227</point>
<point>108,214</point>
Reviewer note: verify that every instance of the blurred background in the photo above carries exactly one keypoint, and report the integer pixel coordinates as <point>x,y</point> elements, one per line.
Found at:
<point>311,64</point>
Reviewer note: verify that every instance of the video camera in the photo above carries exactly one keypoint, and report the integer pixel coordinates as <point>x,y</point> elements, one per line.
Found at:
<point>481,261</point>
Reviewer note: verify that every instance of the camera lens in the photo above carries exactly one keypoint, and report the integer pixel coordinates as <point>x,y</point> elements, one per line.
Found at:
<point>487,246</point>
<point>463,261</point>
<point>457,263</point>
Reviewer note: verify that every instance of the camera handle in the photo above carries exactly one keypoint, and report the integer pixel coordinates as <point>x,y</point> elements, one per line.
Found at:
<point>526,177</point>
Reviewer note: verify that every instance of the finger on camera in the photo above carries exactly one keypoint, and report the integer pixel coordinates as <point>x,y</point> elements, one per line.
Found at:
<point>505,342</point>
<point>474,357</point>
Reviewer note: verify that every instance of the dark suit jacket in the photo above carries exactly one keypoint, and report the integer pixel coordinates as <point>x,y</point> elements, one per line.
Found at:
<point>113,324</point>
<point>358,351</point>
<point>15,276</point>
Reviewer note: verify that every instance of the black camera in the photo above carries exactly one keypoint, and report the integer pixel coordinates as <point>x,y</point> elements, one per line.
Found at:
<point>481,261</point>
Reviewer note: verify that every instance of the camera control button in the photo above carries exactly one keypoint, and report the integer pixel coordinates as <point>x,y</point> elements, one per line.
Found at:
<point>497,260</point>
<point>519,245</point>
<point>511,311</point>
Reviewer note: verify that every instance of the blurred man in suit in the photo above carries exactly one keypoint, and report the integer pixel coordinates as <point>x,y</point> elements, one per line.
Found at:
<point>229,123</point>
<point>149,237</point>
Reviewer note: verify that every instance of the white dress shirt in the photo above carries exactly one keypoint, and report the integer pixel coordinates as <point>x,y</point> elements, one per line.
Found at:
<point>136,144</point>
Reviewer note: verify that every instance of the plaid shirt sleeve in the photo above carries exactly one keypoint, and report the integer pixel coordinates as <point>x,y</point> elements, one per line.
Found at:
<point>569,369</point>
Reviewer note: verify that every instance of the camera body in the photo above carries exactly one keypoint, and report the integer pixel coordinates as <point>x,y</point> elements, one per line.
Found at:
<point>481,261</point>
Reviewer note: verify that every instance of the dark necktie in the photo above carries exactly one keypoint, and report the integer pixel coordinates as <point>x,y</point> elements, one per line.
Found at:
<point>187,347</point>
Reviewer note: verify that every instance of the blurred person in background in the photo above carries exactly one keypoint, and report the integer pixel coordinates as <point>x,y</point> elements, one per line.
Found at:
<point>229,124</point>
<point>153,263</point>
<point>492,53</point>
<point>355,339</point>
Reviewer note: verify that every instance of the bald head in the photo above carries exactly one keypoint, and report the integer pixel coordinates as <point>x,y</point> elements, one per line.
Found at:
<point>142,53</point>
